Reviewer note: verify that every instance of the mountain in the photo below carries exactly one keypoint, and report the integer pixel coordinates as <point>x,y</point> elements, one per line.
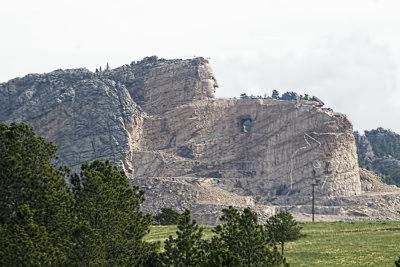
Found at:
<point>158,120</point>
<point>379,150</point>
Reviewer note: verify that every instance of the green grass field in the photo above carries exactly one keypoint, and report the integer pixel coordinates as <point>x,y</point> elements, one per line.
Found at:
<point>161,232</point>
<point>331,244</point>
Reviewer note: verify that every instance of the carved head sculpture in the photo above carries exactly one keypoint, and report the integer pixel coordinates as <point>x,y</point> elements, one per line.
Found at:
<point>208,80</point>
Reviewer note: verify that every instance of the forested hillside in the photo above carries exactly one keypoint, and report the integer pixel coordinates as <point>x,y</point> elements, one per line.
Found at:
<point>379,150</point>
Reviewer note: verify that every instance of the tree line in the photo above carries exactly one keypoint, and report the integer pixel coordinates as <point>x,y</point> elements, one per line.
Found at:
<point>285,96</point>
<point>95,218</point>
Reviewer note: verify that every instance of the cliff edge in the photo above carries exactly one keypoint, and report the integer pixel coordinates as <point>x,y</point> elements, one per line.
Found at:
<point>158,119</point>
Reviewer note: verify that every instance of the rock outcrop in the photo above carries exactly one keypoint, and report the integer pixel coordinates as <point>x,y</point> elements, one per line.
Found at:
<point>159,120</point>
<point>85,115</point>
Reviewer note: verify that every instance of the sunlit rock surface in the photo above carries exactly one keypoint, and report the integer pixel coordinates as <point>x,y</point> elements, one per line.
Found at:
<point>159,120</point>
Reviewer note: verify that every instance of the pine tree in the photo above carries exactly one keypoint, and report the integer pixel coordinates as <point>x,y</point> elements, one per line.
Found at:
<point>187,248</point>
<point>275,94</point>
<point>167,216</point>
<point>243,236</point>
<point>28,179</point>
<point>111,209</point>
<point>229,233</point>
<point>290,96</point>
<point>283,228</point>
<point>88,249</point>
<point>217,255</point>
<point>24,243</point>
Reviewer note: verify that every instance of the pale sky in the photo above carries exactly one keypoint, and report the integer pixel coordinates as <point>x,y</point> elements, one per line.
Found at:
<point>345,52</point>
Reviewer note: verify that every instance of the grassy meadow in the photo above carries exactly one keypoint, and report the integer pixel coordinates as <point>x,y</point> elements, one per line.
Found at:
<point>330,244</point>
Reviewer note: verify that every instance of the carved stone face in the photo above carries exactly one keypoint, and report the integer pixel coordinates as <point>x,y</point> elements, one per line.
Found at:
<point>208,86</point>
<point>208,81</point>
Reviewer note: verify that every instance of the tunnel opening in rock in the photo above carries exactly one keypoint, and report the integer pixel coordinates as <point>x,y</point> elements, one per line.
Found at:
<point>245,125</point>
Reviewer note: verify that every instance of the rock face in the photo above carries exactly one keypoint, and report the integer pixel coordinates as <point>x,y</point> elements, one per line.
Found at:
<point>289,146</point>
<point>159,121</point>
<point>85,115</point>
